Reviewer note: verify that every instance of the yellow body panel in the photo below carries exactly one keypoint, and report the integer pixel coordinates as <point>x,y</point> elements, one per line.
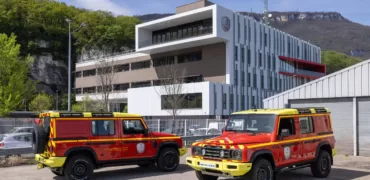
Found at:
<point>53,162</point>
<point>240,170</point>
<point>334,152</point>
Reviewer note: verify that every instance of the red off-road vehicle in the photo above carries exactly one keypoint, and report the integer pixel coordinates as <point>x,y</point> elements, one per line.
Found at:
<point>74,144</point>
<point>258,143</point>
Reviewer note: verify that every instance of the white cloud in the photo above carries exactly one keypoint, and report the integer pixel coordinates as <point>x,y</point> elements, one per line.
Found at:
<point>106,5</point>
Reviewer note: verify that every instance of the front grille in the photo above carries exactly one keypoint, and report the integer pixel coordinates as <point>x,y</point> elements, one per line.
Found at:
<point>213,152</point>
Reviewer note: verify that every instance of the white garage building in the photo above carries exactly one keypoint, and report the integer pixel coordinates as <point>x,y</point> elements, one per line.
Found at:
<point>347,94</point>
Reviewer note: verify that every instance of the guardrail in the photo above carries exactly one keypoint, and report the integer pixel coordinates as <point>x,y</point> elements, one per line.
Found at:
<point>187,141</point>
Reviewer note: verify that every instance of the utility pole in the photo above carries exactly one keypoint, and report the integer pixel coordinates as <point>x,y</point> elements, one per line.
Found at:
<point>70,61</point>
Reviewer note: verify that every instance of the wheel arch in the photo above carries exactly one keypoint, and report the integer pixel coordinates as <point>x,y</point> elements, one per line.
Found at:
<point>168,144</point>
<point>84,151</point>
<point>326,147</point>
<point>263,153</point>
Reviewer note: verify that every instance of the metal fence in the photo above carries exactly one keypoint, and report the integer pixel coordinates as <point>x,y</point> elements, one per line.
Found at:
<point>191,130</point>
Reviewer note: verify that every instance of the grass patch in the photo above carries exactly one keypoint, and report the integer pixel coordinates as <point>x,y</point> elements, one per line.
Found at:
<point>16,161</point>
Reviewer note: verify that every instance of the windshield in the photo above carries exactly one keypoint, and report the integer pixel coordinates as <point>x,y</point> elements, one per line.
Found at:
<point>2,137</point>
<point>258,123</point>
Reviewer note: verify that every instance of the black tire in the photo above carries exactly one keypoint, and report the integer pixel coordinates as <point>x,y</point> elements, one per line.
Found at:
<point>79,168</point>
<point>322,166</point>
<point>57,173</point>
<point>201,176</point>
<point>168,160</point>
<point>39,139</point>
<point>261,170</point>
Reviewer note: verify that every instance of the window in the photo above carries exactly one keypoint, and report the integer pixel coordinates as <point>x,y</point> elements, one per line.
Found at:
<point>107,88</point>
<point>236,77</point>
<point>249,56</point>
<point>91,72</point>
<point>89,90</point>
<point>231,102</point>
<point>141,84</point>
<point>242,78</point>
<point>242,102</point>
<point>122,68</point>
<point>140,65</point>
<point>287,123</point>
<point>262,82</point>
<point>224,101</point>
<point>260,59</point>
<point>78,74</point>
<point>215,97</point>
<point>306,125</point>
<point>262,123</point>
<point>273,62</point>
<point>254,80</point>
<point>103,127</point>
<point>167,60</point>
<point>133,127</point>
<point>78,91</point>
<point>242,54</point>
<point>236,53</point>
<point>269,61</point>
<point>190,101</point>
<point>253,102</point>
<point>249,79</point>
<point>190,57</point>
<point>121,87</point>
<point>265,39</point>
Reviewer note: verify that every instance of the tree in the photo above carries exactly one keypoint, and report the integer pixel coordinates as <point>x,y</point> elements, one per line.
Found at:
<point>87,104</point>
<point>105,79</point>
<point>336,61</point>
<point>41,102</point>
<point>170,90</point>
<point>14,83</point>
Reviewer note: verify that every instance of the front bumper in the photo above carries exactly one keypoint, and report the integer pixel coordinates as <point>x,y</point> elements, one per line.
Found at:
<point>222,169</point>
<point>52,162</point>
<point>183,151</point>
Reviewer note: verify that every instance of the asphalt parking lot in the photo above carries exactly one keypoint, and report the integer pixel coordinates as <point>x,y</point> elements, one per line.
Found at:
<point>345,168</point>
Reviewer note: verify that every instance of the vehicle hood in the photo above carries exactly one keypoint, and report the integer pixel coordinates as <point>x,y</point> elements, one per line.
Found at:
<point>239,138</point>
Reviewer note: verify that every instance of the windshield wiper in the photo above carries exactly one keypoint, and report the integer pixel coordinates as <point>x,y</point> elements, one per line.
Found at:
<point>249,131</point>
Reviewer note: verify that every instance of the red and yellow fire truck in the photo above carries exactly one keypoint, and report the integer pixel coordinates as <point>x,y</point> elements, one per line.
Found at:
<point>74,144</point>
<point>258,143</point>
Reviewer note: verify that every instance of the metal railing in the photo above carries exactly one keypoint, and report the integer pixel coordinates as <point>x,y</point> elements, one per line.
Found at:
<point>191,130</point>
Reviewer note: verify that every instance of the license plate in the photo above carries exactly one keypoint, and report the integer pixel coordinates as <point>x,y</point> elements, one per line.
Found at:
<point>207,165</point>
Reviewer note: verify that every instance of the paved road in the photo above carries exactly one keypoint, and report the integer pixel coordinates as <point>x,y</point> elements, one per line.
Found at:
<point>339,172</point>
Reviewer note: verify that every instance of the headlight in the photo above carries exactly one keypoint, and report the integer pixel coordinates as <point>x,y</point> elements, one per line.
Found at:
<point>196,151</point>
<point>236,154</point>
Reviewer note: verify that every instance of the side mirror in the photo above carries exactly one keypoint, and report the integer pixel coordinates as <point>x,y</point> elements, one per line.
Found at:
<point>284,133</point>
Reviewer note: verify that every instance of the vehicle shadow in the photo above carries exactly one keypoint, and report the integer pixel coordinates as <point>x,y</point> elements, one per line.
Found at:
<point>337,173</point>
<point>133,172</point>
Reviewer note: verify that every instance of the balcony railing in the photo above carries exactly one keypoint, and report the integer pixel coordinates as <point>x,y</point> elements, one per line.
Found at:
<point>205,30</point>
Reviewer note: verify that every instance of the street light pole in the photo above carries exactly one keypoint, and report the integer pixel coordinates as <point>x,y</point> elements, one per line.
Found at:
<point>70,61</point>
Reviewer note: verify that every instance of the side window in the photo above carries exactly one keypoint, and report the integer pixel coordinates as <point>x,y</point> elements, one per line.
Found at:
<point>133,127</point>
<point>18,138</point>
<point>103,127</point>
<point>306,125</point>
<point>288,124</point>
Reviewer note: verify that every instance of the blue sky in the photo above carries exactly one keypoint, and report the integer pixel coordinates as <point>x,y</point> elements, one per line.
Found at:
<point>354,10</point>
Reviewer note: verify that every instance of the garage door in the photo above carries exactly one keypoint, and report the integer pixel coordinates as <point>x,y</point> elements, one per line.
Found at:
<point>364,126</point>
<point>342,115</point>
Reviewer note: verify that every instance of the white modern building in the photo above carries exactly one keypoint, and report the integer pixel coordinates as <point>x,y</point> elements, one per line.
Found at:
<point>347,94</point>
<point>233,62</point>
